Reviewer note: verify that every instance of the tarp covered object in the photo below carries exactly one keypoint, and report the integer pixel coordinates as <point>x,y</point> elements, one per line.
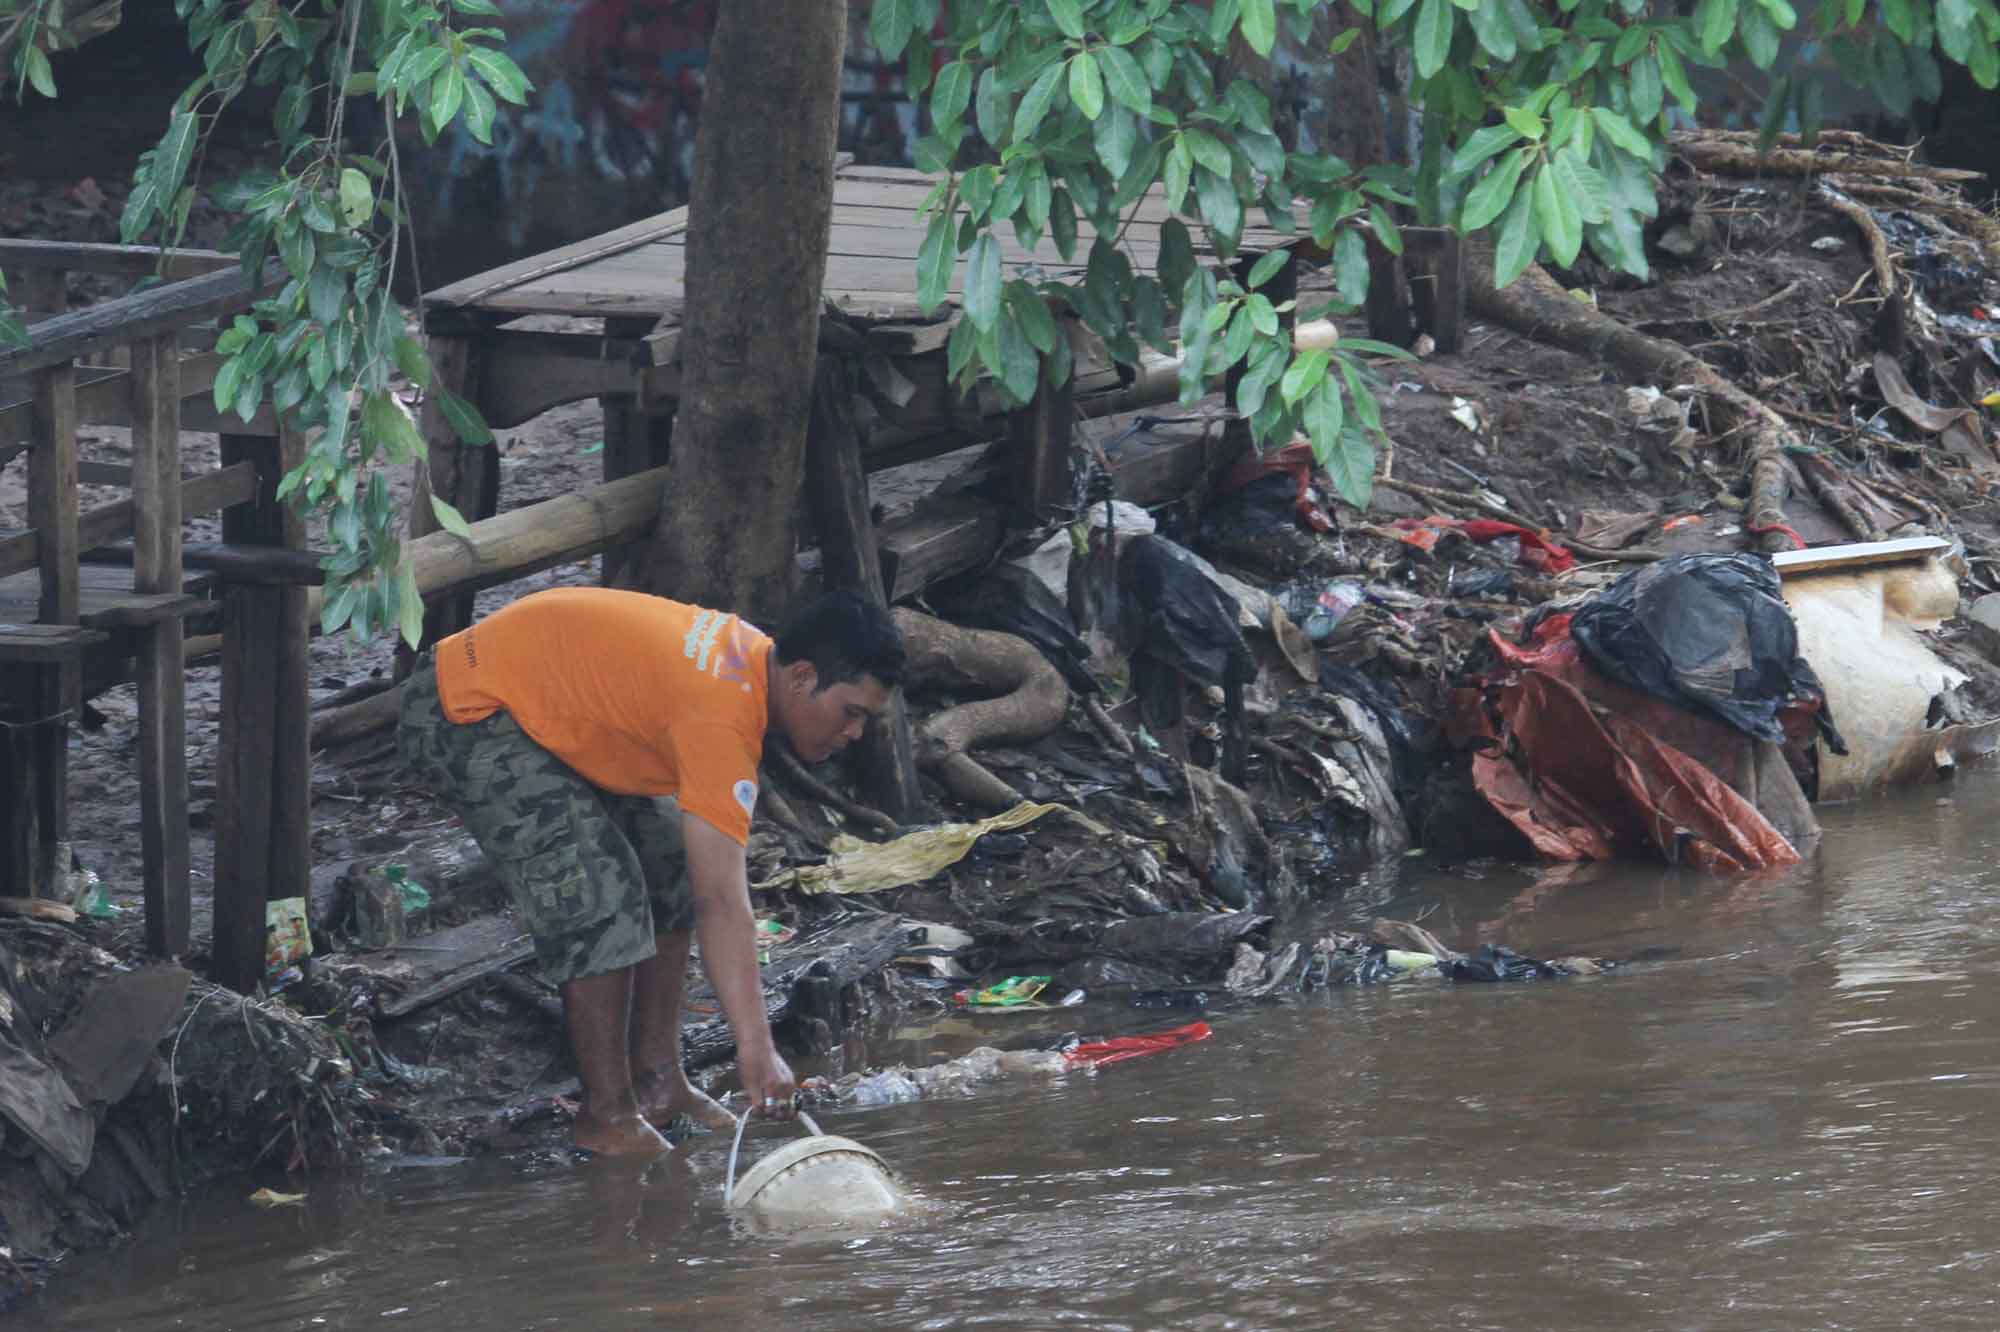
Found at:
<point>1584,787</point>
<point>1711,633</point>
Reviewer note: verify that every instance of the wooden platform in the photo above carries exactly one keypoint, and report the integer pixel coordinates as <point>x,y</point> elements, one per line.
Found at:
<point>641,269</point>
<point>105,598</point>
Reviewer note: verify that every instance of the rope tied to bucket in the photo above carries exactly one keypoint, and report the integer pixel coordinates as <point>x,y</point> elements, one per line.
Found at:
<point>743,1122</point>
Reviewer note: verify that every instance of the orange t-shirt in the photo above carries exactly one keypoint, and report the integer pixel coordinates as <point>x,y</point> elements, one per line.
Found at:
<point>641,695</point>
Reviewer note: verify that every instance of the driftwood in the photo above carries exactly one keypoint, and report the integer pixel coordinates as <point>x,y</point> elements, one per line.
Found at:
<point>1728,155</point>
<point>1536,306</point>
<point>1033,702</point>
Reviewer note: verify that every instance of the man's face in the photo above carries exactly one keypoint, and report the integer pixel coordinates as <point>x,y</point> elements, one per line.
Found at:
<point>822,722</point>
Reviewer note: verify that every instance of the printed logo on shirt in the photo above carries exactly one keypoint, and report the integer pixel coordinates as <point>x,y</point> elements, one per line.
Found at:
<point>733,662</point>
<point>701,636</point>
<point>746,796</point>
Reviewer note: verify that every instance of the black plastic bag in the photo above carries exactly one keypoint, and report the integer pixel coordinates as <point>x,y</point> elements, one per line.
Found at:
<point>1012,600</point>
<point>1710,633</point>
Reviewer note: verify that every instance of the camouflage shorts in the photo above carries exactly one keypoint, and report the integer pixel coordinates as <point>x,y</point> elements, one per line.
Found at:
<point>592,875</point>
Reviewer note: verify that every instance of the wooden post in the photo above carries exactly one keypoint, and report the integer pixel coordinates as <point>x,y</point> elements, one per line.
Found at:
<point>263,772</point>
<point>633,441</point>
<point>1040,436</point>
<point>44,292</point>
<point>1437,282</point>
<point>466,476</point>
<point>837,491</point>
<point>156,567</point>
<point>1388,302</point>
<point>52,513</point>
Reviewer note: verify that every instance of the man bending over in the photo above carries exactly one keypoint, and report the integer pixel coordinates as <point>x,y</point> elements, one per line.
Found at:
<point>602,748</point>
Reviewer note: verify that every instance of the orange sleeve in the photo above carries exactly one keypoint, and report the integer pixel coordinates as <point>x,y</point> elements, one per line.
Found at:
<point>718,770</point>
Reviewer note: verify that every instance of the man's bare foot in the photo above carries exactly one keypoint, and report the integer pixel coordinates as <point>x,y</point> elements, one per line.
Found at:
<point>620,1135</point>
<point>664,1095</point>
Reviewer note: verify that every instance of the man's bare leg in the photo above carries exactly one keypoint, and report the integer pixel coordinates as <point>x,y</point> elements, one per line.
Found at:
<point>662,1084</point>
<point>597,1010</point>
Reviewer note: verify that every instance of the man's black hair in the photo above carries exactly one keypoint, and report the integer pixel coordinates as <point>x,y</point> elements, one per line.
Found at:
<point>845,636</point>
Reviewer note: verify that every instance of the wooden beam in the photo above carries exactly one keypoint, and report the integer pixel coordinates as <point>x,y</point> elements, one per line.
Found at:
<point>52,492</point>
<point>465,476</point>
<point>1435,259</point>
<point>162,668</point>
<point>523,374</point>
<point>139,315</point>
<point>837,492</point>
<point>1039,438</point>
<point>109,522</point>
<point>122,260</point>
<point>265,565</point>
<point>633,441</point>
<point>537,536</point>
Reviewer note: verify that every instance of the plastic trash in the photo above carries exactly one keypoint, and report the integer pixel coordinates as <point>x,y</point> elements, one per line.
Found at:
<point>1185,997</point>
<point>287,937</point>
<point>1331,607</point>
<point>818,1182</point>
<point>885,1088</point>
<point>1013,600</point>
<point>1116,1050</point>
<point>1401,960</point>
<point>1711,633</point>
<point>1009,993</point>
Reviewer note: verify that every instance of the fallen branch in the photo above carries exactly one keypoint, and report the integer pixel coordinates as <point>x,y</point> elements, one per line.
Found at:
<point>1982,227</point>
<point>1033,702</point>
<point>338,726</point>
<point>1736,158</point>
<point>1536,306</point>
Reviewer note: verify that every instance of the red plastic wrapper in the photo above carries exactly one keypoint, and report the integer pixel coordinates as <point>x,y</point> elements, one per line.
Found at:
<point>1096,1054</point>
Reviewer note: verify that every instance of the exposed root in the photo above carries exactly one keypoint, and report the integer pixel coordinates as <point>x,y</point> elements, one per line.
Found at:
<point>1728,155</point>
<point>1033,702</point>
<point>793,771</point>
<point>1109,731</point>
<point>1889,325</point>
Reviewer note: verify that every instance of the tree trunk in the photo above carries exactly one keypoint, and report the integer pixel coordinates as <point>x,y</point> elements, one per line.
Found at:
<point>758,214</point>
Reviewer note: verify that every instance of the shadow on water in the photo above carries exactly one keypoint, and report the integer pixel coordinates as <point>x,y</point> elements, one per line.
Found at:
<point>1775,1117</point>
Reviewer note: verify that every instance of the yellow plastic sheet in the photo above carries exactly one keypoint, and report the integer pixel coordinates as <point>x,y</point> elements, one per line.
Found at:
<point>855,866</point>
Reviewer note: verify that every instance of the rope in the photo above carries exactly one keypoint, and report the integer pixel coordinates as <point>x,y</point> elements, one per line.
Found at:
<point>64,718</point>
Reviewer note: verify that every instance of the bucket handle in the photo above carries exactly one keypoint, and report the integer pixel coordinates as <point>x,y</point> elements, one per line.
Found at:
<point>743,1122</point>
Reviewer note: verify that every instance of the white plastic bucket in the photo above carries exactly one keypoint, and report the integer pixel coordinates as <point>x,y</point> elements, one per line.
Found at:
<point>818,1182</point>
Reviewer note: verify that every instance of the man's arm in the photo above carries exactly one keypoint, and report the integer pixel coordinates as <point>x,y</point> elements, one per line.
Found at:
<point>727,931</point>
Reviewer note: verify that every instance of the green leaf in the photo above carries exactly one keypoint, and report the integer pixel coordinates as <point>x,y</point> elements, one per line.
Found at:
<point>951,93</point>
<point>413,361</point>
<point>937,259</point>
<point>890,23</point>
<point>36,63</point>
<point>1350,465</point>
<point>1114,135</point>
<point>1221,205</point>
<point>1263,315</point>
<point>1241,331</point>
<point>1086,85</point>
<point>1035,196</point>
<point>1556,215</point>
<point>1644,89</point>
<point>386,422</point>
<point>1514,249</point>
<point>977,188</point>
<point>1482,144</point>
<point>990,109</point>
<point>1180,165</point>
<point>1125,80</point>
<point>357,197</point>
<point>462,417</point>
<point>1062,224</point>
<point>1385,228</point>
<point>1495,190</point>
<point>447,93</point>
<point>1715,20</point>
<point>1760,36</point>
<point>227,381</point>
<point>1208,151</point>
<point>1260,25</point>
<point>1306,373</point>
<point>295,246</point>
<point>1525,121</point>
<point>982,282</point>
<point>1901,17</point>
<point>1267,267</point>
<point>1032,313</point>
<point>1350,264</point>
<point>1020,366</point>
<point>1035,106</point>
<point>502,75</point>
<point>480,111</point>
<point>450,519</point>
<point>1068,15</point>
<point>176,151</point>
<point>1585,188</point>
<point>325,292</point>
<point>1431,41</point>
<point>1223,15</point>
<point>1322,414</point>
<point>1619,130</point>
<point>1177,261</point>
<point>410,606</point>
<point>958,351</point>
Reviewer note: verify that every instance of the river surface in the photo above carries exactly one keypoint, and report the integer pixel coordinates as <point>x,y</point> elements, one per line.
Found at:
<point>1782,1116</point>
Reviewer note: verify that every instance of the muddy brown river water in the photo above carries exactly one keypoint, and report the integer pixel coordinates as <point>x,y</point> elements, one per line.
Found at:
<point>1782,1116</point>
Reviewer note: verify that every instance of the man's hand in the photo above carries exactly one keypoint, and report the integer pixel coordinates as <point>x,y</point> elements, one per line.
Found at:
<point>768,1080</point>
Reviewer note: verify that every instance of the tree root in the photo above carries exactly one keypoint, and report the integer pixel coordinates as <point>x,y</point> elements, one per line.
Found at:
<point>1733,157</point>
<point>1110,732</point>
<point>793,771</point>
<point>1536,306</point>
<point>1034,700</point>
<point>1982,227</point>
<point>1890,323</point>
